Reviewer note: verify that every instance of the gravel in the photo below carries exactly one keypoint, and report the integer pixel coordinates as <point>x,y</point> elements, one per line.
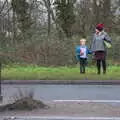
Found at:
<point>74,109</point>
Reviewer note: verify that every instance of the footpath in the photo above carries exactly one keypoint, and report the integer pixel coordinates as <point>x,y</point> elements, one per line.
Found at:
<point>71,109</point>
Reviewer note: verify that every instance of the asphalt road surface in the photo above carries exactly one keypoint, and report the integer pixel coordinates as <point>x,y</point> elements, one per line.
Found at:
<point>58,93</point>
<point>64,92</point>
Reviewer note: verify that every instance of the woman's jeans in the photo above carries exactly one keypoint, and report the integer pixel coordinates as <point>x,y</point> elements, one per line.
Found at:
<point>103,62</point>
<point>100,57</point>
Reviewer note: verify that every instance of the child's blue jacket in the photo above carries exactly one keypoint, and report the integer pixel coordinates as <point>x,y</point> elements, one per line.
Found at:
<point>78,51</point>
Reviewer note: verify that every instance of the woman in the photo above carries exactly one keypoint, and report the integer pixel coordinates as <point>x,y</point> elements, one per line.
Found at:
<point>98,47</point>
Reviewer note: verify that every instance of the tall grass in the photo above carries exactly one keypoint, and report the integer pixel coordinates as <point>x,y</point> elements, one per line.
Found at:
<point>17,72</point>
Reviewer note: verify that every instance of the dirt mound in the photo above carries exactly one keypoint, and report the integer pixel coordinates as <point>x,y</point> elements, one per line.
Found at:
<point>26,103</point>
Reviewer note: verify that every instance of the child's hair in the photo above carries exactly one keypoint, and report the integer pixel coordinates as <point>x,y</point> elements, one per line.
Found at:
<point>83,39</point>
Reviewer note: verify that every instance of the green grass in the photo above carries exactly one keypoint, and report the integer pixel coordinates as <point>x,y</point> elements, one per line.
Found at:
<point>17,72</point>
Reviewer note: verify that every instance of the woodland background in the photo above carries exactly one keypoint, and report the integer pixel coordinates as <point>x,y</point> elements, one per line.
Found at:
<point>45,32</point>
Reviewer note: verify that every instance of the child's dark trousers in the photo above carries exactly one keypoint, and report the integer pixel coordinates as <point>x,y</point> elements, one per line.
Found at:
<point>83,62</point>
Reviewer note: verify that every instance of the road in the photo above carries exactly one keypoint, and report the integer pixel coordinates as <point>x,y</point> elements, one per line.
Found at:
<point>65,92</point>
<point>66,118</point>
<point>58,93</point>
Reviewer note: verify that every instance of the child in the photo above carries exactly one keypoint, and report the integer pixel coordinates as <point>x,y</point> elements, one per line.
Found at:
<point>82,54</point>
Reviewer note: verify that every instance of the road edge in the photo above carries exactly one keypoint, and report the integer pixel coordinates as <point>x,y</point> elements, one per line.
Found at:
<point>63,82</point>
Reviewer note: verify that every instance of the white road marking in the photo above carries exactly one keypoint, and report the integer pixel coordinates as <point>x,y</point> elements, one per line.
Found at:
<point>89,101</point>
<point>64,118</point>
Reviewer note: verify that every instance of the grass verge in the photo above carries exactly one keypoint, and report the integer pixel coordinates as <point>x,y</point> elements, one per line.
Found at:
<point>17,72</point>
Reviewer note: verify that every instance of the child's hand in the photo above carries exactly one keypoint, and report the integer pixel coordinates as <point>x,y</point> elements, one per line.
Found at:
<point>81,53</point>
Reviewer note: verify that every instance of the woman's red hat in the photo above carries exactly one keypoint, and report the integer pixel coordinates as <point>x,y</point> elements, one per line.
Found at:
<point>100,26</point>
